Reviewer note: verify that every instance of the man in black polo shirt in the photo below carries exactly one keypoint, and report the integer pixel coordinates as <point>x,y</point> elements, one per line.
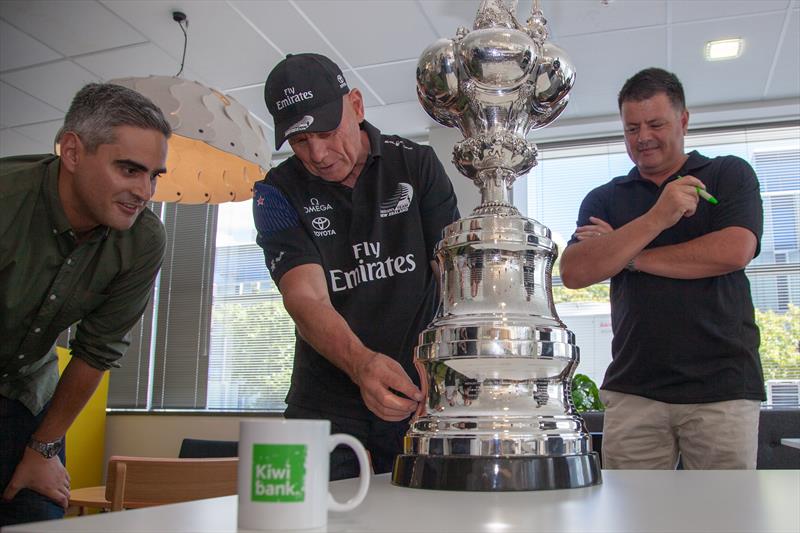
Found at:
<point>348,226</point>
<point>674,236</point>
<point>78,245</point>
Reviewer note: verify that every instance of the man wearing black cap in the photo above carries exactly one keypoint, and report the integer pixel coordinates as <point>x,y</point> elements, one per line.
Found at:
<point>348,226</point>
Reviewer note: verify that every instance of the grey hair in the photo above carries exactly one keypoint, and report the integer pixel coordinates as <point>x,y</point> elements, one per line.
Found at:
<point>100,107</point>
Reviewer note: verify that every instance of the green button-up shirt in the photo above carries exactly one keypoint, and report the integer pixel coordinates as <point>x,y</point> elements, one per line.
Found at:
<point>48,281</point>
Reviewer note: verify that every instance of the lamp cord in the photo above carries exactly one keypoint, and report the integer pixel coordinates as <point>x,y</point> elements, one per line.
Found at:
<point>185,41</point>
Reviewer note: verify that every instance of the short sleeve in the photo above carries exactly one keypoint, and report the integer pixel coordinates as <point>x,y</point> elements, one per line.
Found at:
<point>280,233</point>
<point>594,205</point>
<point>439,206</point>
<point>739,199</point>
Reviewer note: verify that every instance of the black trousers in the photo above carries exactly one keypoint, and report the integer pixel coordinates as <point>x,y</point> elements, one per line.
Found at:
<point>384,440</point>
<point>17,424</point>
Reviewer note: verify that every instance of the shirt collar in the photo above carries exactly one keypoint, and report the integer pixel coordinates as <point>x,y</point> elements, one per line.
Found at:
<point>58,218</point>
<point>694,162</point>
<point>374,135</point>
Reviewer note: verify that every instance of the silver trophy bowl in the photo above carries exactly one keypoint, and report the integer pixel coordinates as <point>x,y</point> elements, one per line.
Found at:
<point>496,363</point>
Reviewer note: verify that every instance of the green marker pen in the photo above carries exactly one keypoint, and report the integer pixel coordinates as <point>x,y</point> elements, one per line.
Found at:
<point>704,195</point>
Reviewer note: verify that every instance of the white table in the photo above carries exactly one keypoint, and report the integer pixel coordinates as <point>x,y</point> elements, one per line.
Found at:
<point>629,501</point>
<point>792,443</point>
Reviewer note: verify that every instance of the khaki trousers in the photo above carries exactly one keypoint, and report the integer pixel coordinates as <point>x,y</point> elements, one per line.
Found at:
<point>644,434</point>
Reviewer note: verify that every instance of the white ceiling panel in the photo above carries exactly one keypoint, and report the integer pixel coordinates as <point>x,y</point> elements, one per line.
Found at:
<point>139,60</point>
<point>12,143</point>
<point>20,108</point>
<point>44,133</point>
<point>394,82</point>
<point>447,15</point>
<point>406,119</point>
<point>222,48</point>
<point>356,81</point>
<point>719,82</point>
<point>71,27</point>
<point>590,54</point>
<point>593,16</point>
<point>20,50</point>
<point>785,82</point>
<point>284,26</point>
<point>36,81</point>
<point>399,29</point>
<point>692,10</point>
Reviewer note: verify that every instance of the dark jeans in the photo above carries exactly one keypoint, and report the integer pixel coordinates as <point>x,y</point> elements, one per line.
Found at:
<point>17,424</point>
<point>383,440</point>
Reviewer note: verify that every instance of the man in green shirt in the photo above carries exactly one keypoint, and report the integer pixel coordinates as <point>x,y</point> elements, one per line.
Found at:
<point>77,245</point>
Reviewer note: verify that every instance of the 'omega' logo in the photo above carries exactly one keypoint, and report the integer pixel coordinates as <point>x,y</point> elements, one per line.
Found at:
<point>321,223</point>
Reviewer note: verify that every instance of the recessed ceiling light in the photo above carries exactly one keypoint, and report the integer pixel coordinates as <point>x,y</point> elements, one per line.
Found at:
<point>723,49</point>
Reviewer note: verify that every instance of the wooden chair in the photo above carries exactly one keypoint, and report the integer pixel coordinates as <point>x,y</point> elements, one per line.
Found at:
<point>133,482</point>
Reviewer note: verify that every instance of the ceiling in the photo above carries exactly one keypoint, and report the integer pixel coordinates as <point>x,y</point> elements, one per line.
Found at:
<point>50,48</point>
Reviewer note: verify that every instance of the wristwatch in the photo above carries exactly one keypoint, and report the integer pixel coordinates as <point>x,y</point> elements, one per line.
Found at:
<point>47,449</point>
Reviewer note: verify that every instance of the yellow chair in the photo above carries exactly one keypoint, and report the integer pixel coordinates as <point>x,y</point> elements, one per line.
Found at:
<point>86,437</point>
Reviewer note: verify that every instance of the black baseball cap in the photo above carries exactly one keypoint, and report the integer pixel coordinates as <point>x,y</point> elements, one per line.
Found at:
<point>304,94</point>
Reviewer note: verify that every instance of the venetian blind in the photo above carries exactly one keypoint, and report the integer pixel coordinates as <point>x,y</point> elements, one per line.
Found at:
<point>166,366</point>
<point>252,336</point>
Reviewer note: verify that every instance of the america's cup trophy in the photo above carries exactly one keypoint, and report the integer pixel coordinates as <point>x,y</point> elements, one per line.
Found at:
<point>496,363</point>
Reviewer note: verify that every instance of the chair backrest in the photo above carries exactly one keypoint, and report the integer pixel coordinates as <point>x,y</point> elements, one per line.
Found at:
<point>134,482</point>
<point>208,448</point>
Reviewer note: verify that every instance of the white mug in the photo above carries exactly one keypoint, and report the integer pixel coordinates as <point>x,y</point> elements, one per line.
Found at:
<point>283,473</point>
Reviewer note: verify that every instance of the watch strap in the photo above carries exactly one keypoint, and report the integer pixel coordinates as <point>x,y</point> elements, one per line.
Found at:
<point>48,450</point>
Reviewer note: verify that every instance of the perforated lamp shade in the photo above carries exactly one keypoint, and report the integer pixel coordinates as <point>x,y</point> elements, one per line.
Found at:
<point>217,150</point>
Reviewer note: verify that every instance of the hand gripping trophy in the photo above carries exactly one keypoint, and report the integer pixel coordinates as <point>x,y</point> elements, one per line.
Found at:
<point>496,363</point>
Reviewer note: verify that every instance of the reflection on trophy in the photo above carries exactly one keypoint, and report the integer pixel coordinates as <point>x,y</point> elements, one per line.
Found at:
<point>496,362</point>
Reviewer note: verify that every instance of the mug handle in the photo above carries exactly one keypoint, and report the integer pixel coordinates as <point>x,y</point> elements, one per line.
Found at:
<point>364,475</point>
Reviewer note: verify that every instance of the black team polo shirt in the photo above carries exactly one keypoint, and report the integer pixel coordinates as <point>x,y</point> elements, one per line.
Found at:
<point>374,243</point>
<point>684,341</point>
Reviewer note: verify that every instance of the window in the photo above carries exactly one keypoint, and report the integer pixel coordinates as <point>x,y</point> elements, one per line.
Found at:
<point>217,336</point>
<point>567,172</point>
<point>252,336</point>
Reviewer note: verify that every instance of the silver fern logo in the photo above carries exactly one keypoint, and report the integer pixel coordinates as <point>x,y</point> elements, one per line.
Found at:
<point>399,202</point>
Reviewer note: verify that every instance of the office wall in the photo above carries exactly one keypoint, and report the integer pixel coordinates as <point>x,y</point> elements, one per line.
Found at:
<point>159,435</point>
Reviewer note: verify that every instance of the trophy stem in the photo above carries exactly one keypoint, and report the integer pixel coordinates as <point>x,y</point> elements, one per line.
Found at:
<point>495,187</point>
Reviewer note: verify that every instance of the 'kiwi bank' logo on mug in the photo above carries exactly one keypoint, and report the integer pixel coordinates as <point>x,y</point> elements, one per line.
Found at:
<point>279,473</point>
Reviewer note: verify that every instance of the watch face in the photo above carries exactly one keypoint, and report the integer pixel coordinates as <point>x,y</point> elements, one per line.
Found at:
<point>47,449</point>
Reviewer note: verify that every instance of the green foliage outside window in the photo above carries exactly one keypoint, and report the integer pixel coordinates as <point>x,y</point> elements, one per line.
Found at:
<point>780,343</point>
<point>249,326</point>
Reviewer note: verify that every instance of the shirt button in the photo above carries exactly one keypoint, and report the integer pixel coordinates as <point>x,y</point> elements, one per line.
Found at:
<point>52,296</point>
<point>69,261</point>
<point>5,375</point>
<point>37,330</point>
<point>21,356</point>
<point>55,231</point>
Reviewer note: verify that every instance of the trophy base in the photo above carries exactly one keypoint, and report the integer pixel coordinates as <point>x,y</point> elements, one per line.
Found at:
<point>501,473</point>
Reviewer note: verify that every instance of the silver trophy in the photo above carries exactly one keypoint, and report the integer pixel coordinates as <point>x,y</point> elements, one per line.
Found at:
<point>496,363</point>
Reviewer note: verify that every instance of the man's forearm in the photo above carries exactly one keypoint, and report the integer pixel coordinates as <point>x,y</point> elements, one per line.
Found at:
<point>599,258</point>
<point>76,386</point>
<point>328,333</point>
<point>712,254</point>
